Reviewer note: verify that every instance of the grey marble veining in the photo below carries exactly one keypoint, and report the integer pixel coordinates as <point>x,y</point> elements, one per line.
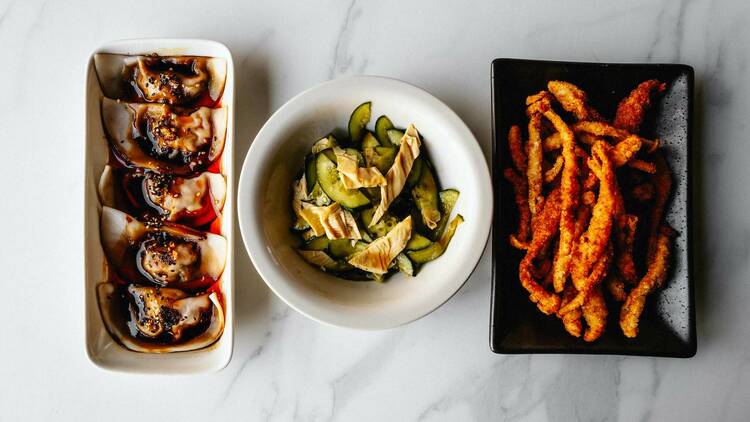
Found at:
<point>286,367</point>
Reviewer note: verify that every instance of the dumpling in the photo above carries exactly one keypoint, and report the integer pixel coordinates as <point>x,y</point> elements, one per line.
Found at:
<point>194,201</point>
<point>176,80</point>
<point>164,254</point>
<point>163,138</point>
<point>160,320</point>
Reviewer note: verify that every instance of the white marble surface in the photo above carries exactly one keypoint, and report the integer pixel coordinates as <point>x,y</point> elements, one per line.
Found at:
<point>286,367</point>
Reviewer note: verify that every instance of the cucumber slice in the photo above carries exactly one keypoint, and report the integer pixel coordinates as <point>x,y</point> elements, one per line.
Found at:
<point>321,260</point>
<point>308,234</point>
<point>318,197</point>
<point>381,130</point>
<point>417,242</point>
<point>354,152</point>
<point>358,121</point>
<point>382,227</point>
<point>328,178</point>
<point>369,141</point>
<point>425,195</point>
<point>404,264</point>
<point>448,199</point>
<point>380,157</point>
<point>311,176</point>
<point>438,248</point>
<point>394,136</point>
<point>330,154</point>
<point>316,244</point>
<point>342,248</point>
<point>415,173</point>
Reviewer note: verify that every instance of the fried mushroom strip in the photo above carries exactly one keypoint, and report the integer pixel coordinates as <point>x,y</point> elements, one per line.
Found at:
<point>631,110</point>
<point>595,242</point>
<point>553,171</point>
<point>519,239</point>
<point>534,166</point>
<point>572,320</point>
<point>515,145</point>
<point>573,100</point>
<point>595,313</point>
<point>662,182</point>
<point>569,189</point>
<point>625,239</point>
<point>544,231</point>
<point>616,287</point>
<point>605,129</point>
<point>631,310</point>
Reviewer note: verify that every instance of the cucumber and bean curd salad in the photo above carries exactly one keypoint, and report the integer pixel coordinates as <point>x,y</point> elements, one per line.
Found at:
<point>369,205</point>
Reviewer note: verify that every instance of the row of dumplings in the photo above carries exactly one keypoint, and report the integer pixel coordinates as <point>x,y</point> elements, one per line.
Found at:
<point>162,196</point>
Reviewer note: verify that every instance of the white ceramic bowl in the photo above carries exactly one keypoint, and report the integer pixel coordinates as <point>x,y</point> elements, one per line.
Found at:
<point>277,155</point>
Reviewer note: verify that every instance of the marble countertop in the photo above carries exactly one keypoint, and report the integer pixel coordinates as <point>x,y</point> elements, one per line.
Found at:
<point>286,367</point>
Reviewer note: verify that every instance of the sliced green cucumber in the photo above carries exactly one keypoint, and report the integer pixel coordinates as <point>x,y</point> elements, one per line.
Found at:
<point>316,244</point>
<point>318,197</point>
<point>425,195</point>
<point>438,248</point>
<point>380,157</point>
<point>308,234</point>
<point>381,130</point>
<point>342,248</point>
<point>417,242</point>
<point>328,178</point>
<point>323,260</point>
<point>382,227</point>
<point>354,152</point>
<point>448,199</point>
<point>311,176</point>
<point>369,141</point>
<point>358,121</point>
<point>415,173</point>
<point>394,136</point>
<point>404,264</point>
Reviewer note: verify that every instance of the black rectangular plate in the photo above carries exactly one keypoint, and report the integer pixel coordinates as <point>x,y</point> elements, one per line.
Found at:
<point>667,326</point>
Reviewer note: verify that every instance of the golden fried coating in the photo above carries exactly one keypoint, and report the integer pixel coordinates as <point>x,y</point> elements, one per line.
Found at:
<point>662,182</point>
<point>595,313</point>
<point>616,288</point>
<point>631,110</point>
<point>571,320</point>
<point>569,189</point>
<point>553,171</point>
<point>544,230</point>
<point>517,153</point>
<point>605,129</point>
<point>595,242</point>
<point>658,265</point>
<point>573,100</point>
<point>582,231</point>
<point>625,238</point>
<point>534,167</point>
<point>524,215</point>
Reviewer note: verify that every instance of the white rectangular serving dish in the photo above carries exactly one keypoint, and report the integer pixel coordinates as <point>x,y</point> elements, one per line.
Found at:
<point>101,348</point>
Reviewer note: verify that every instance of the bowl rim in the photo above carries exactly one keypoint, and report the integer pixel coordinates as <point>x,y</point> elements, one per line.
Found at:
<point>255,244</point>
